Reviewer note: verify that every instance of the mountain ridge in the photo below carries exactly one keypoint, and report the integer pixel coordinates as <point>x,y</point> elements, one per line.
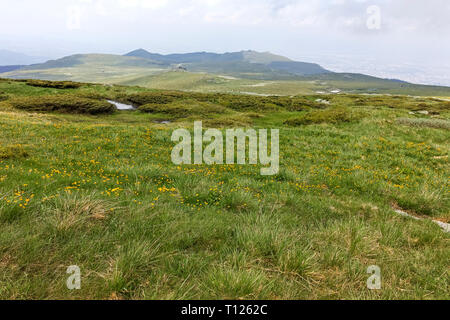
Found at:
<point>239,72</point>
<point>265,62</point>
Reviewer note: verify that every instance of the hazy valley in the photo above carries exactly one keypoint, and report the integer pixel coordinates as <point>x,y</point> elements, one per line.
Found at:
<point>247,72</point>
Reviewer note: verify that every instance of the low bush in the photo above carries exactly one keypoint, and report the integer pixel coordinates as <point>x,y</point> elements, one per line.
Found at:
<point>12,152</point>
<point>302,103</point>
<point>433,106</point>
<point>332,115</point>
<point>64,104</point>
<point>181,109</point>
<point>281,101</point>
<point>54,84</point>
<point>92,94</point>
<point>247,103</point>
<point>254,115</point>
<point>231,122</point>
<point>160,97</point>
<point>236,102</point>
<point>173,110</point>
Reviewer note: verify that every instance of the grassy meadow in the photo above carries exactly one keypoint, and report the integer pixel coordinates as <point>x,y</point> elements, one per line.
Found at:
<point>94,188</point>
<point>246,78</point>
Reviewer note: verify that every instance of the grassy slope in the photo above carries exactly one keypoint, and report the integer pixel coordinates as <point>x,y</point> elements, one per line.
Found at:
<point>157,78</point>
<point>124,70</point>
<point>212,83</point>
<point>101,192</point>
<point>90,68</point>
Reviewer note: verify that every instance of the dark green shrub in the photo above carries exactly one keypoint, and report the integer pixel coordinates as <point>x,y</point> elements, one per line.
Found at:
<point>361,102</point>
<point>3,97</point>
<point>203,97</point>
<point>431,107</point>
<point>238,102</point>
<point>303,103</point>
<point>54,84</point>
<point>332,115</point>
<point>161,97</point>
<point>93,95</point>
<point>231,122</point>
<point>254,115</point>
<point>247,103</point>
<point>12,152</point>
<point>63,103</point>
<point>284,102</point>
<point>173,110</point>
<point>181,109</point>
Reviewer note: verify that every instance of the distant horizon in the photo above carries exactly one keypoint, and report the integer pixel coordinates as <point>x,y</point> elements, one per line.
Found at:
<point>385,76</point>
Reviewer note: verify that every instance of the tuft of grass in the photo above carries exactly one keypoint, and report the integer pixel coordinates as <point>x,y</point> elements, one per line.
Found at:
<point>238,284</point>
<point>134,262</point>
<point>10,213</point>
<point>74,211</point>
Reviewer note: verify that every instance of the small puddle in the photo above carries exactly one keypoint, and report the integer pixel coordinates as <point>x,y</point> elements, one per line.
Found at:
<point>122,106</point>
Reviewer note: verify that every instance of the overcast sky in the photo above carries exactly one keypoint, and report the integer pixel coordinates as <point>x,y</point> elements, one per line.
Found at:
<point>407,39</point>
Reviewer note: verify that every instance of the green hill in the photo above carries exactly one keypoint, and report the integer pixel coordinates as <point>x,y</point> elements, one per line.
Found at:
<point>248,72</point>
<point>104,60</point>
<point>102,68</point>
<point>244,63</point>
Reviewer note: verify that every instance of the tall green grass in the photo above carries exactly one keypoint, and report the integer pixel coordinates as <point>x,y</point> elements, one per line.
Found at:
<point>102,193</point>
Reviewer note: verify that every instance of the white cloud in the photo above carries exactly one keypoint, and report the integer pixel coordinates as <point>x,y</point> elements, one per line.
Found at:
<point>344,15</point>
<point>410,29</point>
<point>147,4</point>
